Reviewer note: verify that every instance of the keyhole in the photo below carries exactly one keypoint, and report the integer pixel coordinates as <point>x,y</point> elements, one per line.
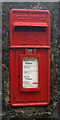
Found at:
<point>30,51</point>
<point>19,76</point>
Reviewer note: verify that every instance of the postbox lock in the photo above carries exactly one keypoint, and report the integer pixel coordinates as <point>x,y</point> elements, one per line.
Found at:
<point>30,51</point>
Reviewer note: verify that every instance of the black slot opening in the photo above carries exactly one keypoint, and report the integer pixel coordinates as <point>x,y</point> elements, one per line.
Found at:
<point>30,28</point>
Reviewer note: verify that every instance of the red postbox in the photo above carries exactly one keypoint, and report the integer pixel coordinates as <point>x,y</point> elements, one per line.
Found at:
<point>29,57</point>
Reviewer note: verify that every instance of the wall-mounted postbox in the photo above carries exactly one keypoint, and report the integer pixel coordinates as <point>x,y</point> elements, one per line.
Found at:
<point>29,57</point>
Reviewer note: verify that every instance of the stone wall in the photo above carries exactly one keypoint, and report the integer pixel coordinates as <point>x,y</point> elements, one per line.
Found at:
<point>50,111</point>
<point>59,57</point>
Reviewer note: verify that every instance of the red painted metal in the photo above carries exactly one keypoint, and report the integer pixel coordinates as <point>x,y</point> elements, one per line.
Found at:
<point>29,46</point>
<point>29,29</point>
<point>30,24</point>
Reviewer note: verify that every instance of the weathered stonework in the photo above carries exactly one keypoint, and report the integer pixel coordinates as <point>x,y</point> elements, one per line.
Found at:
<point>50,111</point>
